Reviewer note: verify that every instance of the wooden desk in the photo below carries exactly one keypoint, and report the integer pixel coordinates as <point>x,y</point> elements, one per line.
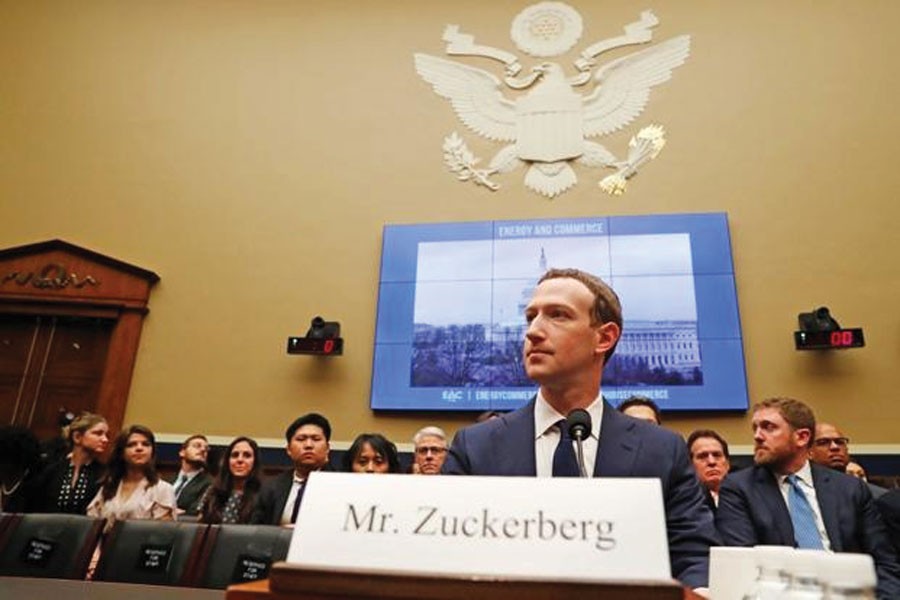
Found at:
<point>290,582</point>
<point>37,587</point>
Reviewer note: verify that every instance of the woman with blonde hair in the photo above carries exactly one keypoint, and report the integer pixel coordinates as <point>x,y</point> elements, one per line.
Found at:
<point>68,485</point>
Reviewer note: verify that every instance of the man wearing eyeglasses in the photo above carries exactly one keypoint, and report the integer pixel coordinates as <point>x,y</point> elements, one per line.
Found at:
<point>431,450</point>
<point>831,449</point>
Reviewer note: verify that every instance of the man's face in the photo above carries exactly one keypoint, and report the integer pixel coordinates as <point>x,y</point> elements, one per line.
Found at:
<point>830,448</point>
<point>195,452</point>
<point>560,341</point>
<point>776,443</point>
<point>308,448</point>
<point>709,460</point>
<point>644,413</point>
<point>431,451</point>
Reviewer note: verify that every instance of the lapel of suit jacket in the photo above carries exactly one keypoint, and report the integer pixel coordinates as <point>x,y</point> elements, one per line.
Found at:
<point>768,492</point>
<point>513,431</point>
<point>618,445</point>
<point>284,490</point>
<point>823,481</point>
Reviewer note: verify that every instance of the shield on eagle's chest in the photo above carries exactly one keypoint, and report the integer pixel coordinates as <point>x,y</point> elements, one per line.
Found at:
<point>549,123</point>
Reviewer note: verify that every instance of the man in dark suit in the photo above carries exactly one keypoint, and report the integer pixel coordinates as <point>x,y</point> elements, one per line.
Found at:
<point>193,479</point>
<point>308,444</point>
<point>785,499</point>
<point>889,505</point>
<point>831,448</point>
<point>574,323</point>
<point>712,461</point>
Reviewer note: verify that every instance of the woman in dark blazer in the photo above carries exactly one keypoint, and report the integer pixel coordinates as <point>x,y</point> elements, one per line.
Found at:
<point>68,485</point>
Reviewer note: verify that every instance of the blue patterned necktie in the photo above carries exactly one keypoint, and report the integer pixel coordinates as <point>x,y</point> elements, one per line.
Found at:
<point>806,534</point>
<point>564,462</point>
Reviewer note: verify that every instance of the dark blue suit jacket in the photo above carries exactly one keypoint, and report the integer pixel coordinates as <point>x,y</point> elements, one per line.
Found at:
<point>628,448</point>
<point>752,511</point>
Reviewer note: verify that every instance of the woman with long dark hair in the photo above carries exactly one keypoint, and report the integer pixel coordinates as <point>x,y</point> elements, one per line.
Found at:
<point>372,453</point>
<point>131,488</point>
<point>68,485</point>
<point>232,496</point>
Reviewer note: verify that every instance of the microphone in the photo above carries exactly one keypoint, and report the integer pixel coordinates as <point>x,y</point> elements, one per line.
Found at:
<point>578,423</point>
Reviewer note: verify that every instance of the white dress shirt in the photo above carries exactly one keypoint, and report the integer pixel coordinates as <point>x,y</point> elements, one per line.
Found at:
<point>292,497</point>
<point>547,435</point>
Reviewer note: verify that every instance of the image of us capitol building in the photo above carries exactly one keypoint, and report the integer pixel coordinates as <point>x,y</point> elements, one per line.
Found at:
<point>650,352</point>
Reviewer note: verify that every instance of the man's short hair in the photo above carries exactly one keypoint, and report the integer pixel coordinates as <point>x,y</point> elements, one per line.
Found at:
<point>796,413</point>
<point>431,430</point>
<point>641,401</point>
<point>309,419</point>
<point>606,309</point>
<point>196,436</point>
<point>707,433</point>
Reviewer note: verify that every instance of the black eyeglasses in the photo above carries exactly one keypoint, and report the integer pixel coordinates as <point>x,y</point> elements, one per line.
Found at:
<point>827,441</point>
<point>424,450</point>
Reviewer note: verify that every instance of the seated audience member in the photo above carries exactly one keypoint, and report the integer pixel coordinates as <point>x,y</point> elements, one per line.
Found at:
<point>20,455</point>
<point>193,479</point>
<point>232,496</point>
<point>889,505</point>
<point>131,488</point>
<point>785,499</point>
<point>372,453</point>
<point>308,444</point>
<point>69,484</point>
<point>430,450</point>
<point>642,408</point>
<point>709,453</point>
<point>831,448</point>
<point>856,470</point>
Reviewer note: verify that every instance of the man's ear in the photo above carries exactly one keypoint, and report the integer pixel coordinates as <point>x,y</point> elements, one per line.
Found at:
<point>607,336</point>
<point>181,454</point>
<point>803,436</point>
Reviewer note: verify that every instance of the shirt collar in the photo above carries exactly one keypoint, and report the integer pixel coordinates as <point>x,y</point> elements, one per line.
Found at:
<point>546,417</point>
<point>804,474</point>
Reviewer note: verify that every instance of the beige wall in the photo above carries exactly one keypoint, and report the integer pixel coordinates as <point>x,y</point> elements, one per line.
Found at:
<point>250,151</point>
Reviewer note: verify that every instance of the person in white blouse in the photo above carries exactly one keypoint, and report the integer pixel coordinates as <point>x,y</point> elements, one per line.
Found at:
<point>132,489</point>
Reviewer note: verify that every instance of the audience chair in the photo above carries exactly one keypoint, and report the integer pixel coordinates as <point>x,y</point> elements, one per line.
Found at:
<point>151,552</point>
<point>241,553</point>
<point>59,546</point>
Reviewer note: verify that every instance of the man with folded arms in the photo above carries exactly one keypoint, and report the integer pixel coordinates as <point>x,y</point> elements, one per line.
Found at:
<point>785,499</point>
<point>574,322</point>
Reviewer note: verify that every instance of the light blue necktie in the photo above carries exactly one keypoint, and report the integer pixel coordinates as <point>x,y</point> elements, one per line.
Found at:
<point>806,534</point>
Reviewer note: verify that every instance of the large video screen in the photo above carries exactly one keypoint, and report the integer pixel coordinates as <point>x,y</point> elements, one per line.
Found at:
<point>450,321</point>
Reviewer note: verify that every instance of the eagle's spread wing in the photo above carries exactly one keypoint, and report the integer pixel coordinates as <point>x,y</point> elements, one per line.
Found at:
<point>474,94</point>
<point>623,85</point>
